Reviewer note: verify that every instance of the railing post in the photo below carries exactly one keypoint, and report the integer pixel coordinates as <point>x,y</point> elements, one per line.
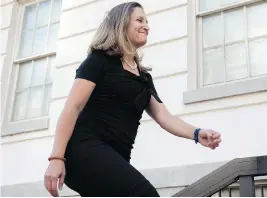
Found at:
<point>247,186</point>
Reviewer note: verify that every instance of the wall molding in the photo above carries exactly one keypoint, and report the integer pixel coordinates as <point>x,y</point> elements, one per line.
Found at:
<point>95,28</point>
<point>153,44</point>
<point>80,5</point>
<point>226,90</point>
<point>7,3</point>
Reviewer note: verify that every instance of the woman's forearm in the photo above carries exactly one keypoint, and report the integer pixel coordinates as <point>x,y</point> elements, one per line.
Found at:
<point>178,127</point>
<point>64,130</point>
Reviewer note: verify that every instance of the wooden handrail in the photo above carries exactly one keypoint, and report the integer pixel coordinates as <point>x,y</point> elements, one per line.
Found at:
<point>225,176</point>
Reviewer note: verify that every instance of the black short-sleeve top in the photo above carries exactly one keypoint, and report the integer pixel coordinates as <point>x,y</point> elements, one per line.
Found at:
<point>116,105</point>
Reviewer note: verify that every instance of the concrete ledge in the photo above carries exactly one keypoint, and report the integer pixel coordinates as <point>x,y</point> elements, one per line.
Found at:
<point>226,90</point>
<point>167,181</point>
<point>33,189</point>
<point>180,175</point>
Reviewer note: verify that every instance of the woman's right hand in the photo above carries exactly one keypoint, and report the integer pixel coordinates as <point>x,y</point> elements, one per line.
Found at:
<point>54,176</point>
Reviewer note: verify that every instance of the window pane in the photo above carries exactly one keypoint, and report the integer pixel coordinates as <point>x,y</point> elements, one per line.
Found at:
<point>212,31</point>
<point>20,105</point>
<point>258,57</point>
<point>224,2</point>
<point>26,43</point>
<point>34,107</point>
<point>56,11</point>
<point>225,192</point>
<point>265,191</point>
<point>53,35</point>
<point>29,17</point>
<point>216,195</point>
<point>39,72</point>
<point>257,16</point>
<point>39,40</point>
<point>235,192</point>
<point>213,70</point>
<point>43,12</point>
<point>258,191</point>
<point>209,4</point>
<point>47,99</point>
<point>50,70</point>
<point>236,65</point>
<point>24,78</point>
<point>234,25</point>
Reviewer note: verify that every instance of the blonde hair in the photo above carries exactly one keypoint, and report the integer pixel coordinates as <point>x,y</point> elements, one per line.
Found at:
<point>111,34</point>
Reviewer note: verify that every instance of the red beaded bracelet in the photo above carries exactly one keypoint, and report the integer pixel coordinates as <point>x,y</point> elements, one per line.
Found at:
<point>59,158</point>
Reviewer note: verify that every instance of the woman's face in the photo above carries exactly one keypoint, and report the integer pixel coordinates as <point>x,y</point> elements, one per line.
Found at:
<point>138,28</point>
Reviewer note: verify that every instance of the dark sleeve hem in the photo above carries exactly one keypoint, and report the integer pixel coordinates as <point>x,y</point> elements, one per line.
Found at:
<point>155,95</point>
<point>152,88</point>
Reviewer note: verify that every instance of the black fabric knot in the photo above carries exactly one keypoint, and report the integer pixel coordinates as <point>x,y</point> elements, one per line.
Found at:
<point>142,100</point>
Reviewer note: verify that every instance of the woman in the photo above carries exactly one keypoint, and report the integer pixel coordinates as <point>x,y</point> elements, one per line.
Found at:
<point>98,125</point>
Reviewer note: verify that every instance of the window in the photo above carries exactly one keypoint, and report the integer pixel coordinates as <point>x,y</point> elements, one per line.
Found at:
<point>33,90</point>
<point>230,39</point>
<point>33,65</point>
<point>234,42</point>
<point>40,28</point>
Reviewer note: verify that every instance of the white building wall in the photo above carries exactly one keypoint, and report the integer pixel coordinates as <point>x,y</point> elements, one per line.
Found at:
<point>240,119</point>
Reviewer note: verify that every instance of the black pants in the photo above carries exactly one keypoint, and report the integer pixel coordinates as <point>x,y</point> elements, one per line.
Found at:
<point>94,169</point>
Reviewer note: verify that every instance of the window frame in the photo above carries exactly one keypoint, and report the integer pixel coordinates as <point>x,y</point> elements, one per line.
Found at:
<point>10,127</point>
<point>196,93</point>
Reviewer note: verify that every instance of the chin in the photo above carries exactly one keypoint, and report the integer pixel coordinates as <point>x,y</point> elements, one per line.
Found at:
<point>141,43</point>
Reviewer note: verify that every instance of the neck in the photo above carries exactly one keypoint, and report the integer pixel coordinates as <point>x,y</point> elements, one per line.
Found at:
<point>129,58</point>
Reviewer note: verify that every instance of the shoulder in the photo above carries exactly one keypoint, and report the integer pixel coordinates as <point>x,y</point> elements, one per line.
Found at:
<point>95,60</point>
<point>93,67</point>
<point>96,56</point>
<point>101,57</point>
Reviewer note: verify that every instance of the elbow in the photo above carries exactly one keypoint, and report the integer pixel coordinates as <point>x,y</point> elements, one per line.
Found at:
<point>79,107</point>
<point>73,107</point>
<point>78,104</point>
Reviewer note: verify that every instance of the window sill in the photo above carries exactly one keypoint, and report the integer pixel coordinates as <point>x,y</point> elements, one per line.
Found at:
<point>25,126</point>
<point>227,90</point>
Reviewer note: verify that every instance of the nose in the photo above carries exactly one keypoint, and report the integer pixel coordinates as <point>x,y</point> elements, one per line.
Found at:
<point>146,28</point>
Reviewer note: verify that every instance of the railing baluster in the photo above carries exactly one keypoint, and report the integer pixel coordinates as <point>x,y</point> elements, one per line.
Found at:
<point>247,186</point>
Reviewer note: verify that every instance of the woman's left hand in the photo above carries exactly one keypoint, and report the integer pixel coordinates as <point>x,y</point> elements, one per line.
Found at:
<point>209,138</point>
